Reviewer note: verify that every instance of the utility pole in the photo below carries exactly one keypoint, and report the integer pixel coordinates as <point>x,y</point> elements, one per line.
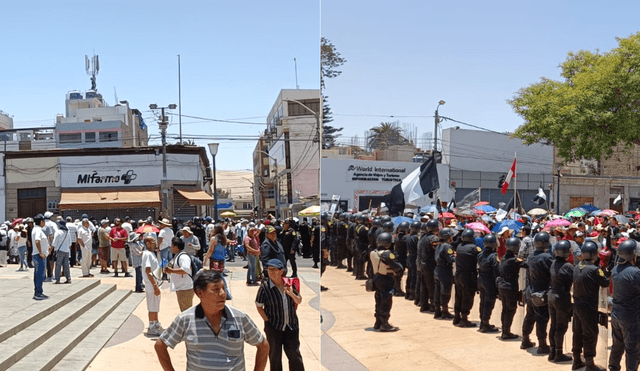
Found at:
<point>435,130</point>
<point>163,131</point>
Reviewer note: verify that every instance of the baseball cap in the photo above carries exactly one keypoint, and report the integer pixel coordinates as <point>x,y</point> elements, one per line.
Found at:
<point>276,263</point>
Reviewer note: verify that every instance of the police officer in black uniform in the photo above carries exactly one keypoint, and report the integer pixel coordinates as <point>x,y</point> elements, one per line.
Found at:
<point>331,233</point>
<point>362,233</point>
<point>507,284</point>
<point>318,233</point>
<point>376,225</point>
<point>466,278</point>
<point>384,267</point>
<point>560,300</point>
<point>289,239</point>
<point>587,281</point>
<point>341,240</point>
<point>400,251</point>
<point>426,264</point>
<point>625,316</point>
<point>539,273</point>
<point>351,241</point>
<point>412,255</point>
<point>488,271</point>
<point>443,274</point>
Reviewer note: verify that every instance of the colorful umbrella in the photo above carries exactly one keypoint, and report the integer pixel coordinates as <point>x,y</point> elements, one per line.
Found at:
<point>538,211</point>
<point>147,228</point>
<point>575,213</point>
<point>228,214</point>
<point>486,208</point>
<point>510,223</point>
<point>609,212</point>
<point>478,227</point>
<point>399,219</point>
<point>310,211</point>
<point>448,216</point>
<point>558,223</point>
<point>589,208</point>
<point>481,203</point>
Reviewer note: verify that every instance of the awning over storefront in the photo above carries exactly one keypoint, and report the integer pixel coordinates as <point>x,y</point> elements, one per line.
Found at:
<point>196,197</point>
<point>109,200</point>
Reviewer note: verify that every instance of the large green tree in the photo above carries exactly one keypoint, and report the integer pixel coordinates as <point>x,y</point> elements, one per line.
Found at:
<point>593,110</point>
<point>330,61</point>
<point>384,135</point>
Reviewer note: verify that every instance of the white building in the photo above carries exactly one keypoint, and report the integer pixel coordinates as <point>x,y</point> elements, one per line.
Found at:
<point>362,184</point>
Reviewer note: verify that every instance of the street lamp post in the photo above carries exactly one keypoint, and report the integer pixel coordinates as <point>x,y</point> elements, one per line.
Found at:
<point>213,148</point>
<point>163,131</point>
<point>435,130</point>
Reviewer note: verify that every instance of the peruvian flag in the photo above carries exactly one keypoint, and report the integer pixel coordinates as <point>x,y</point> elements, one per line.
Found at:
<point>507,179</point>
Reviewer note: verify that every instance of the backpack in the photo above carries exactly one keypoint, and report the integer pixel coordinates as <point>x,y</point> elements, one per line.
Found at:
<point>196,263</point>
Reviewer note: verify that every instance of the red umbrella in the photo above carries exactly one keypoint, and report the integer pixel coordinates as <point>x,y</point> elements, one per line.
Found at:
<point>480,212</point>
<point>637,216</point>
<point>16,221</point>
<point>481,203</point>
<point>448,216</point>
<point>608,212</point>
<point>147,229</point>
<point>478,227</point>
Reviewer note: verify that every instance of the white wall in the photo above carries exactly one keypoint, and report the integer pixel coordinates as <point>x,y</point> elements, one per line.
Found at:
<point>484,151</point>
<point>337,179</point>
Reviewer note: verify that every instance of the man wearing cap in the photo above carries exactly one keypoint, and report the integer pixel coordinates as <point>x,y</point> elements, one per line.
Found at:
<point>191,242</point>
<point>289,240</point>
<point>40,252</point>
<point>104,243</point>
<point>164,239</point>
<point>136,247</point>
<point>62,246</point>
<point>85,241</point>
<point>277,301</point>
<point>119,237</point>
<point>271,248</point>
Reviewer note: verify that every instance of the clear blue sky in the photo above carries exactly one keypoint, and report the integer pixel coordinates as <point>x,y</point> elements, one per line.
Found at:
<point>405,56</point>
<point>235,58</point>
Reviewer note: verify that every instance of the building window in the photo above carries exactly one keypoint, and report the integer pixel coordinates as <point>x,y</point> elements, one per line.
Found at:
<point>109,136</point>
<point>271,193</point>
<point>246,206</point>
<point>297,110</point>
<point>71,138</point>
<point>90,137</point>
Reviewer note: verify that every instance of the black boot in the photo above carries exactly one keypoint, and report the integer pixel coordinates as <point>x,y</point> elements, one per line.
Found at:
<point>552,354</point>
<point>561,357</point>
<point>376,326</point>
<point>456,319</point>
<point>386,327</point>
<point>407,294</point>
<point>577,362</point>
<point>526,343</point>
<point>446,315</point>
<point>508,336</point>
<point>592,366</point>
<point>437,314</point>
<point>543,348</point>
<point>464,322</point>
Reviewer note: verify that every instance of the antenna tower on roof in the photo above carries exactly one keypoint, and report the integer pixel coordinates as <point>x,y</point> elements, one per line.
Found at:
<point>92,66</point>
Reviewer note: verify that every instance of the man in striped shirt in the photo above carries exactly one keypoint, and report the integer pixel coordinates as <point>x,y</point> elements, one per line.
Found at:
<point>214,333</point>
<point>277,302</point>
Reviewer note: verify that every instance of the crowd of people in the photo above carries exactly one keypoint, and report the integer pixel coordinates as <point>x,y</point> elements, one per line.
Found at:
<point>556,267</point>
<point>180,253</point>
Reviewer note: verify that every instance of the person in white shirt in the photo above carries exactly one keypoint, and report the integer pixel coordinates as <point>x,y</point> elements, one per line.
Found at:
<point>85,241</point>
<point>41,249</point>
<point>73,233</point>
<point>21,242</point>
<point>164,242</point>
<point>50,228</point>
<point>11,242</point>
<point>149,265</point>
<point>62,247</point>
<point>181,275</point>
<point>127,225</point>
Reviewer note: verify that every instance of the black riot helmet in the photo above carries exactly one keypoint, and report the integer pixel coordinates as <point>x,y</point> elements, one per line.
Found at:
<point>324,216</point>
<point>376,223</point>
<point>541,241</point>
<point>388,226</point>
<point>589,251</point>
<point>343,216</point>
<point>468,235</point>
<point>562,249</point>
<point>627,250</point>
<point>490,241</point>
<point>423,228</point>
<point>384,240</point>
<point>404,227</point>
<point>415,227</point>
<point>362,218</point>
<point>512,244</point>
<point>386,218</point>
<point>446,233</point>
<point>433,225</point>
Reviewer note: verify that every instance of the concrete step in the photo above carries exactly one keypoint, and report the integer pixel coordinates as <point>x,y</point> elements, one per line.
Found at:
<point>23,342</point>
<point>21,311</point>
<point>49,353</point>
<point>81,356</point>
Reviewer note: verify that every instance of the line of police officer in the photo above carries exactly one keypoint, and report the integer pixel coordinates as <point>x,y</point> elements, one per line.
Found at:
<point>429,255</point>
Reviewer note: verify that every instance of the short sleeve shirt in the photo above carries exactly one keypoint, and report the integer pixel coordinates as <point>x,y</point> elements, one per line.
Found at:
<point>38,235</point>
<point>166,234</point>
<point>118,233</point>
<point>207,351</point>
<point>180,282</point>
<point>150,260</point>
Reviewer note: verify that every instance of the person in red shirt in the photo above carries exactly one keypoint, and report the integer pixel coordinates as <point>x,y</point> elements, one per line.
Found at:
<point>118,237</point>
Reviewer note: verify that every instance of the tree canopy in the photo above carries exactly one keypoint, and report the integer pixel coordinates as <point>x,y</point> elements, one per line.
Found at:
<point>330,60</point>
<point>384,135</point>
<point>592,111</point>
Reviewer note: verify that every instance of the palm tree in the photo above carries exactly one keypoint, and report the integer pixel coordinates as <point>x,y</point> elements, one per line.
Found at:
<point>384,135</point>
